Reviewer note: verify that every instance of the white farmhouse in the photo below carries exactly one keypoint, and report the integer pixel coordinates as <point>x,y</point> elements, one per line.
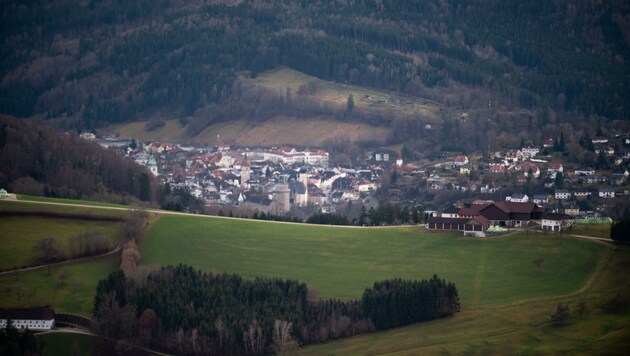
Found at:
<point>556,222</point>
<point>35,319</point>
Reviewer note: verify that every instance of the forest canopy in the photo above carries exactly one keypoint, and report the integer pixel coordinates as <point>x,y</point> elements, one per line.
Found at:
<point>197,312</point>
<point>87,64</point>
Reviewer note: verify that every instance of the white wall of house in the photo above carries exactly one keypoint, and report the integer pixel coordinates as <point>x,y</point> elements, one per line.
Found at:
<point>551,225</point>
<point>35,325</point>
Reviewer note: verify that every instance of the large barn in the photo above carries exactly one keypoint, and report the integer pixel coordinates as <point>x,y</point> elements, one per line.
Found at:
<point>482,214</point>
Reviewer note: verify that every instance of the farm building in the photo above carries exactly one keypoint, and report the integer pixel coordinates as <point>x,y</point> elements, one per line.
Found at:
<point>475,226</point>
<point>556,222</point>
<point>35,319</point>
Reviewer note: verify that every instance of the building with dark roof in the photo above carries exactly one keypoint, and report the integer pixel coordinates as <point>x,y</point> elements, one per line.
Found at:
<point>475,226</point>
<point>36,319</point>
<point>487,213</point>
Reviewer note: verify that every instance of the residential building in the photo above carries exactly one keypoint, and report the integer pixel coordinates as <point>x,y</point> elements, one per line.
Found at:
<point>460,160</point>
<point>518,198</point>
<point>556,222</point>
<point>606,193</point>
<point>562,194</point>
<point>35,319</point>
<point>541,199</point>
<point>530,152</point>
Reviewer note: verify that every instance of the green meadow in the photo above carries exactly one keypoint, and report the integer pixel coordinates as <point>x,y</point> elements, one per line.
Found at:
<point>19,234</point>
<point>520,328</point>
<point>595,230</point>
<point>66,344</point>
<point>43,286</point>
<point>342,262</point>
<point>506,299</point>
<point>68,201</point>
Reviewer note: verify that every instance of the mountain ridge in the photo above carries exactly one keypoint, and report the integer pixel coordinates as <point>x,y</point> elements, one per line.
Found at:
<point>89,64</point>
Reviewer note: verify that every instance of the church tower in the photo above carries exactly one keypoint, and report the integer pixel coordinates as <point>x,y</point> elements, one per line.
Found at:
<point>246,172</point>
<point>152,165</point>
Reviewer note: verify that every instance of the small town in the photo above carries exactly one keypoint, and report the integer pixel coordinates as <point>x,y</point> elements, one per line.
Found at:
<point>299,182</point>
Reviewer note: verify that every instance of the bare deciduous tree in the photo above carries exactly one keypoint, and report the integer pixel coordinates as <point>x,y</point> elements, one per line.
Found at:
<point>254,339</point>
<point>561,315</point>
<point>132,227</point>
<point>48,249</point>
<point>283,341</point>
<point>62,278</point>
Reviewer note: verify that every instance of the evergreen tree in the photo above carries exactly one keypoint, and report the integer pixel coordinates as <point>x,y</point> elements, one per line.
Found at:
<point>620,231</point>
<point>145,187</point>
<point>559,181</point>
<point>350,104</point>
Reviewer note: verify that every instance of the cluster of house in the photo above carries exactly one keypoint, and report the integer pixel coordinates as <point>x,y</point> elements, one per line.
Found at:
<point>271,180</point>
<point>479,216</point>
<point>34,319</point>
<point>526,165</point>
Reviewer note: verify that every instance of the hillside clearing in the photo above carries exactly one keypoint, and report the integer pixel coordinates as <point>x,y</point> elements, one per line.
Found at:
<point>281,130</point>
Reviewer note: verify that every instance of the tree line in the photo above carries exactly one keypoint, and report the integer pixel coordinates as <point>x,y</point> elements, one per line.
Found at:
<point>36,160</point>
<point>515,53</point>
<point>187,311</point>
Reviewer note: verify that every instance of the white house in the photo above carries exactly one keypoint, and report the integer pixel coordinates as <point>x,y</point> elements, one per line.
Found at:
<point>530,152</point>
<point>518,198</point>
<point>381,156</point>
<point>35,319</point>
<point>584,172</point>
<point>562,194</point>
<point>541,199</point>
<point>556,222</point>
<point>606,193</point>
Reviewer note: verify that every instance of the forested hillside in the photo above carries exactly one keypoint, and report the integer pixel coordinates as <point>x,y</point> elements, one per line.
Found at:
<point>39,161</point>
<point>85,64</point>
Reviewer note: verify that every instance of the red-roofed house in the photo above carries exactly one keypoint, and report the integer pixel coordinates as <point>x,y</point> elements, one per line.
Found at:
<point>497,168</point>
<point>555,167</point>
<point>526,166</point>
<point>460,160</point>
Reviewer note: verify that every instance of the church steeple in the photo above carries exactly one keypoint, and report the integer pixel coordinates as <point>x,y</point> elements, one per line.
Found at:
<point>245,173</point>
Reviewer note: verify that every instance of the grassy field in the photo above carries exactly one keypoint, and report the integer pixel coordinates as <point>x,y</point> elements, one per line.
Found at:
<point>302,131</point>
<point>282,130</point>
<point>520,328</point>
<point>110,212</point>
<point>342,262</point>
<point>507,301</point>
<point>41,287</point>
<point>19,234</point>
<point>62,344</point>
<point>336,94</point>
<point>596,230</point>
<point>68,201</point>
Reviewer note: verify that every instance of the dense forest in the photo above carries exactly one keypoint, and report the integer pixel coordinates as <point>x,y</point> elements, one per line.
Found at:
<point>37,160</point>
<point>185,311</point>
<point>85,64</point>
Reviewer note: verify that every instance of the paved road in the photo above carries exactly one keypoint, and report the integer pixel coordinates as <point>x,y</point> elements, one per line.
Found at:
<point>592,238</point>
<point>62,262</point>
